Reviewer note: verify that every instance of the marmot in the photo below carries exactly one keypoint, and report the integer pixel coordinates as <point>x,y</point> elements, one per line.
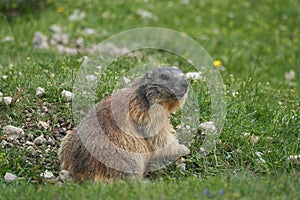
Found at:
<point>128,133</point>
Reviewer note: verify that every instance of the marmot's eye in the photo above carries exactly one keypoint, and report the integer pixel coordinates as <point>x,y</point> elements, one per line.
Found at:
<point>164,77</point>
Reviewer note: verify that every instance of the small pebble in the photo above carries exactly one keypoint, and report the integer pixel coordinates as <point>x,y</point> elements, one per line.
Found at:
<point>10,177</point>
<point>4,144</point>
<point>6,100</point>
<point>50,142</point>
<point>208,126</point>
<point>39,92</point>
<point>44,109</point>
<point>43,125</point>
<point>55,28</point>
<point>40,41</point>
<point>39,140</point>
<point>89,31</point>
<point>65,176</point>
<point>47,174</point>
<point>12,132</point>
<point>30,136</point>
<point>31,150</point>
<point>67,95</point>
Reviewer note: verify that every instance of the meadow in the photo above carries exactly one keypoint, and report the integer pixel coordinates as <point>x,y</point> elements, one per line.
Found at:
<point>258,152</point>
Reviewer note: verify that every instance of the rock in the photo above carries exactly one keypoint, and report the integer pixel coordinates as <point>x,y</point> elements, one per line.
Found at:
<point>44,109</point>
<point>67,95</point>
<point>12,132</point>
<point>79,42</point>
<point>65,176</point>
<point>55,28</point>
<point>1,94</point>
<point>39,92</point>
<point>126,81</point>
<point>30,136</point>
<point>47,174</point>
<point>89,31</point>
<point>43,125</point>
<point>39,140</point>
<point>31,150</point>
<point>208,126</point>
<point>29,143</point>
<point>8,39</point>
<point>76,15</point>
<point>40,41</point>
<point>182,166</point>
<point>50,142</point>
<point>10,177</point>
<point>6,100</point>
<point>290,75</point>
<point>59,39</point>
<point>4,144</point>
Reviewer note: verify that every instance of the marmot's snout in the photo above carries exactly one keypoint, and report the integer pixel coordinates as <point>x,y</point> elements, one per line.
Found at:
<point>168,82</point>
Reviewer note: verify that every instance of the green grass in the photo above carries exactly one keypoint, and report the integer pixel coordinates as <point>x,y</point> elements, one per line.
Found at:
<point>226,187</point>
<point>257,42</point>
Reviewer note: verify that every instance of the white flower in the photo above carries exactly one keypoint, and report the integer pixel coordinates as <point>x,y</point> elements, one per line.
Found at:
<point>194,75</point>
<point>146,14</point>
<point>76,15</point>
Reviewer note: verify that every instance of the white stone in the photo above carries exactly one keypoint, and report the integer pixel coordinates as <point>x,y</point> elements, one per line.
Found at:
<point>65,176</point>
<point>6,100</point>
<point>40,41</point>
<point>10,177</point>
<point>89,31</point>
<point>76,15</point>
<point>4,144</point>
<point>67,95</point>
<point>12,132</point>
<point>59,39</point>
<point>126,80</point>
<point>7,39</point>
<point>79,42</point>
<point>43,125</point>
<point>31,150</point>
<point>47,174</point>
<point>290,75</point>
<point>208,126</point>
<point>39,91</point>
<point>39,140</point>
<point>55,28</point>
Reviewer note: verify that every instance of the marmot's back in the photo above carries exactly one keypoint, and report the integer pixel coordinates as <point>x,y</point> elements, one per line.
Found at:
<point>123,133</point>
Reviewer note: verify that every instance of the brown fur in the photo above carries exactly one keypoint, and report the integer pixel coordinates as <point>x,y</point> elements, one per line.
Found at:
<point>125,133</point>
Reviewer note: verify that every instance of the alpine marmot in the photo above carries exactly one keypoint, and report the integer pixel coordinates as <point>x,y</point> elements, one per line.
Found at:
<point>128,133</point>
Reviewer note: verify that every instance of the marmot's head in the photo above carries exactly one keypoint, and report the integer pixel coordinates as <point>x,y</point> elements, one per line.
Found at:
<point>164,84</point>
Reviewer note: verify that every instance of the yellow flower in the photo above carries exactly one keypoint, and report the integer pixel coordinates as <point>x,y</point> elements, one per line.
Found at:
<point>60,9</point>
<point>218,63</point>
